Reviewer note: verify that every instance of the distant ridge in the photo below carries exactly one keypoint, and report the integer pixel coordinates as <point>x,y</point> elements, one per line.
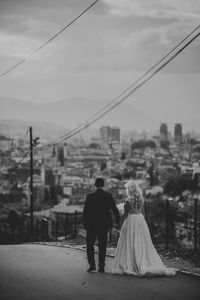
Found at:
<point>71,112</point>
<point>13,128</point>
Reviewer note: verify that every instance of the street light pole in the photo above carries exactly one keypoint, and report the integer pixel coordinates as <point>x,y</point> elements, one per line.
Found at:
<point>31,181</point>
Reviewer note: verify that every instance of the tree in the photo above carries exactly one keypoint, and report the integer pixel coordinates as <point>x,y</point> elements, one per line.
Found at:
<point>103,165</point>
<point>164,144</point>
<point>123,155</point>
<point>150,171</point>
<point>54,151</point>
<point>156,219</point>
<point>94,146</point>
<point>177,184</point>
<point>61,157</point>
<point>143,144</point>
<point>55,192</point>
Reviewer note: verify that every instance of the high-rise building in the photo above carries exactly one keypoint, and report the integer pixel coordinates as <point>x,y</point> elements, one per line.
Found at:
<point>109,134</point>
<point>178,136</point>
<point>163,132</point>
<point>104,134</point>
<point>114,134</point>
<point>164,141</point>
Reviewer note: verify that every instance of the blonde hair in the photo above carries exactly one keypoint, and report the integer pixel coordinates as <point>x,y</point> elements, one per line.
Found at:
<point>133,189</point>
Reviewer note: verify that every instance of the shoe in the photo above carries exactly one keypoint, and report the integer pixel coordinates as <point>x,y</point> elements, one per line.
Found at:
<point>91,269</point>
<point>101,270</point>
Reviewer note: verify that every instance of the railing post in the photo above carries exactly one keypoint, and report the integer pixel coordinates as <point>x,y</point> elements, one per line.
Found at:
<point>167,224</point>
<point>13,234</point>
<point>57,226</point>
<point>37,227</point>
<point>20,232</point>
<point>66,224</point>
<point>75,224</point>
<point>44,229</point>
<point>47,230</point>
<point>195,223</point>
<point>28,231</point>
<point>43,224</point>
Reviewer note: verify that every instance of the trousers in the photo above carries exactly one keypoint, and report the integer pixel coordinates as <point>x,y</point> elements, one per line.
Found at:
<point>93,234</point>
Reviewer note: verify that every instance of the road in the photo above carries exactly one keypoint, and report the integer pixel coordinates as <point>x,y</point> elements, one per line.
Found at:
<point>30,272</point>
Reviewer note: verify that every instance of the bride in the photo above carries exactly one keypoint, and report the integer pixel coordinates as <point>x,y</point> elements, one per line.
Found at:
<point>135,252</point>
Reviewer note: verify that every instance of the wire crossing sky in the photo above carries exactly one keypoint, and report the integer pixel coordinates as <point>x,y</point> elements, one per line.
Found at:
<point>157,67</point>
<point>47,42</point>
<point>115,103</point>
<point>98,58</point>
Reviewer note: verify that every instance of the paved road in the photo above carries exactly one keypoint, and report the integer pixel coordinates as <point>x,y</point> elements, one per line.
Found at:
<point>29,272</point>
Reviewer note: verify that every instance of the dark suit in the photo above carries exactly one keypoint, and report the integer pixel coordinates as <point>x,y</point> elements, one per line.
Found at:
<point>97,220</point>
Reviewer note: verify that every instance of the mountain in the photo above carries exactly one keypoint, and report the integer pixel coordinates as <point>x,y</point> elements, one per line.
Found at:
<point>14,128</point>
<point>73,111</point>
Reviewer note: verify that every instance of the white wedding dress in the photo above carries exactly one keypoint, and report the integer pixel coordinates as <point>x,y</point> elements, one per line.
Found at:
<point>135,253</point>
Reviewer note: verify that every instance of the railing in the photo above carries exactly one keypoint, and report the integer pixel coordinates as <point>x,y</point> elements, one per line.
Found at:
<point>44,229</point>
<point>171,228</point>
<point>164,228</point>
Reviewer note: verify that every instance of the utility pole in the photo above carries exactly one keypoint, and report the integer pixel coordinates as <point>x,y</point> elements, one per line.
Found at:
<point>31,181</point>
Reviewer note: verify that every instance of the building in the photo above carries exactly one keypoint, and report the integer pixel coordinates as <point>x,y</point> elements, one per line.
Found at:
<point>109,134</point>
<point>114,135</point>
<point>164,141</point>
<point>5,144</point>
<point>178,136</point>
<point>104,134</point>
<point>163,132</point>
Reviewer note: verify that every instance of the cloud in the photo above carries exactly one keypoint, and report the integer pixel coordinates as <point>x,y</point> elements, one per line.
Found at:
<point>145,47</point>
<point>182,10</point>
<point>100,54</point>
<point>147,39</point>
<point>135,52</point>
<point>14,24</point>
<point>16,46</point>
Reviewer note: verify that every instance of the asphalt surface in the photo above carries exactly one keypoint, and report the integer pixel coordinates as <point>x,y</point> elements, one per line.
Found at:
<point>40,272</point>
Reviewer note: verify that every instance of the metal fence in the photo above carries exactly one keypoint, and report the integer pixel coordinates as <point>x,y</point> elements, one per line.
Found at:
<point>44,229</point>
<point>171,226</point>
<point>165,223</point>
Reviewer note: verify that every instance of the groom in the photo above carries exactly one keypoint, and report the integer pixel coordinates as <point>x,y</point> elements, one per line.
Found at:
<point>97,220</point>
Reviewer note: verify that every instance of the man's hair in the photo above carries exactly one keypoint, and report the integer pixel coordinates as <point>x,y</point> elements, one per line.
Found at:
<point>99,182</point>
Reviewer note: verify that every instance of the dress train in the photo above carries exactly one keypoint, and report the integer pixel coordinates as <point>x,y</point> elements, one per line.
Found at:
<point>135,252</point>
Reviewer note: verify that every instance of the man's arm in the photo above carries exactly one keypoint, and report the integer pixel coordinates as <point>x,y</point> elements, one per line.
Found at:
<point>85,213</point>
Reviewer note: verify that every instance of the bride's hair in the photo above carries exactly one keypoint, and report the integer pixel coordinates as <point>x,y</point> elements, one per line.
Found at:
<point>133,189</point>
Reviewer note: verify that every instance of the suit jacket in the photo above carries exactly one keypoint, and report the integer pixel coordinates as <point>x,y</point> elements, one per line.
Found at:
<point>98,208</point>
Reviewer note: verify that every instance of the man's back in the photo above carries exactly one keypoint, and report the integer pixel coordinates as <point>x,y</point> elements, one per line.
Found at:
<point>98,206</point>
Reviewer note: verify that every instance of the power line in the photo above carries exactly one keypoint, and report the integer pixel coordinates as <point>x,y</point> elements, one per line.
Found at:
<point>91,121</point>
<point>141,77</point>
<point>99,114</point>
<point>47,42</point>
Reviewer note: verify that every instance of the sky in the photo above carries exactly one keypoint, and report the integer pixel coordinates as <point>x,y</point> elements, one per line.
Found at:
<point>102,53</point>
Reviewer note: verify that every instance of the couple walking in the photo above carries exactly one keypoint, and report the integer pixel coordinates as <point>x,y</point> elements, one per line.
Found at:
<point>135,253</point>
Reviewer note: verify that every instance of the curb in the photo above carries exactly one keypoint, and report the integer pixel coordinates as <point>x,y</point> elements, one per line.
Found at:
<point>184,272</point>
<point>194,274</point>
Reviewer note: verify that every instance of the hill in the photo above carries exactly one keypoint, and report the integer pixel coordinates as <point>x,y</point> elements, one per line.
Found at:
<point>73,111</point>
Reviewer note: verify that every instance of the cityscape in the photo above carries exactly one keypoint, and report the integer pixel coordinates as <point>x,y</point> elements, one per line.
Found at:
<point>166,166</point>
